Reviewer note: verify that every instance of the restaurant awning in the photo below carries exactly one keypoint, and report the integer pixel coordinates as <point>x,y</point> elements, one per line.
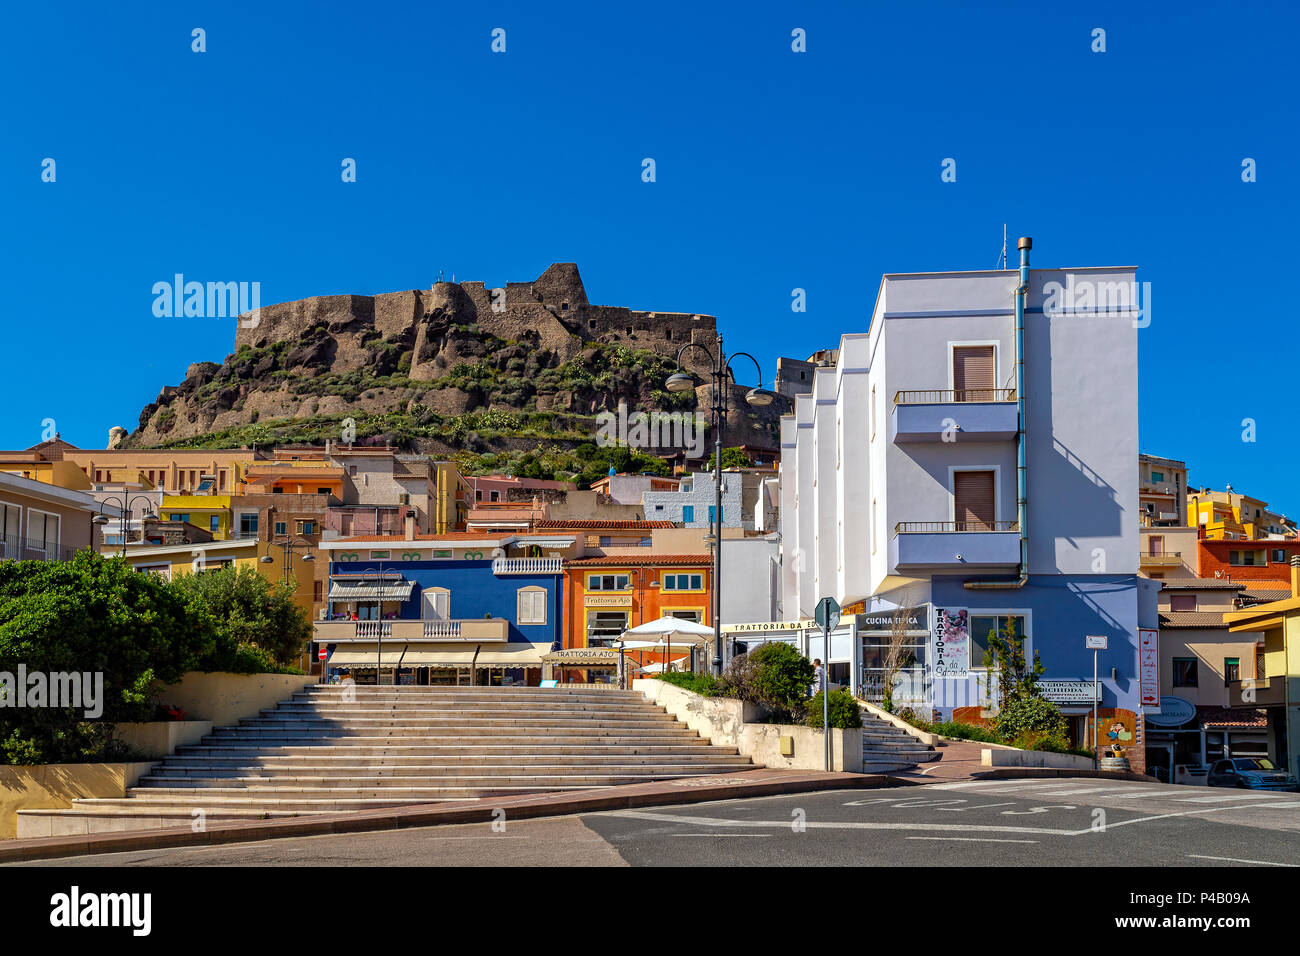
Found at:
<point>371,591</point>
<point>439,654</point>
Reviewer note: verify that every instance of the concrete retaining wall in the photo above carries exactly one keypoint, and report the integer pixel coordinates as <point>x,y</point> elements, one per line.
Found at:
<point>54,786</point>
<point>1009,757</point>
<point>225,699</point>
<point>160,738</point>
<point>734,723</point>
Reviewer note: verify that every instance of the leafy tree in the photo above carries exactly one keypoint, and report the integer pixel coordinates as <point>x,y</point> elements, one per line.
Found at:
<point>731,458</point>
<point>1017,678</point>
<point>1033,716</point>
<point>100,616</point>
<point>257,622</point>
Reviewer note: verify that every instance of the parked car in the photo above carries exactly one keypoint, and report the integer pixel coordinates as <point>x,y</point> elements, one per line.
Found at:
<point>1251,773</point>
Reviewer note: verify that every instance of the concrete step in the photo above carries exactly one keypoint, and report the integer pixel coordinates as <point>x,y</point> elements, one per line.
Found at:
<point>467,721</point>
<point>414,789</point>
<point>188,767</point>
<point>290,776</point>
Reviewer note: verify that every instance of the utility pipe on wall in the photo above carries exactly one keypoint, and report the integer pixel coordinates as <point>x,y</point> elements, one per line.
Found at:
<point>1022,508</point>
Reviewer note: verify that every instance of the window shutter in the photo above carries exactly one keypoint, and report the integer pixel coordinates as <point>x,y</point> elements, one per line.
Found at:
<point>973,373</point>
<point>973,496</point>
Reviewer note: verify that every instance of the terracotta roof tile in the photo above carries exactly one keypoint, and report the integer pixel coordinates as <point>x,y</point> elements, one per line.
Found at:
<point>1251,718</point>
<point>1191,619</point>
<point>1201,584</point>
<point>593,524</point>
<point>629,560</point>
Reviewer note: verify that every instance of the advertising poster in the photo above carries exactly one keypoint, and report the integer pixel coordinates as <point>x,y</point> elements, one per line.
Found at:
<point>951,643</point>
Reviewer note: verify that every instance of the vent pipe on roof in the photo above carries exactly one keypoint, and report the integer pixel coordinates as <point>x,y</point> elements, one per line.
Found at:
<point>1022,507</point>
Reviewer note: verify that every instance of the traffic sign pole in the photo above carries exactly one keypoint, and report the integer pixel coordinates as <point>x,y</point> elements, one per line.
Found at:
<point>828,616</point>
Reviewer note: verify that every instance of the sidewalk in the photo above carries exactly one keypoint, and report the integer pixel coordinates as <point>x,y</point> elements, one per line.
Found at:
<point>747,783</point>
<point>958,760</point>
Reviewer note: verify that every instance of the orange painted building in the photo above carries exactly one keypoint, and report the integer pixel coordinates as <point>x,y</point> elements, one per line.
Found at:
<point>607,595</point>
<point>1242,560</point>
<point>293,478</point>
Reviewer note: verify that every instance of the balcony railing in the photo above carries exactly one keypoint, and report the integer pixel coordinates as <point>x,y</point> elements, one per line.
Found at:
<point>949,527</point>
<point>469,630</point>
<point>17,548</point>
<point>527,565</point>
<point>1166,559</point>
<point>946,396</point>
<point>449,630</point>
<point>374,628</point>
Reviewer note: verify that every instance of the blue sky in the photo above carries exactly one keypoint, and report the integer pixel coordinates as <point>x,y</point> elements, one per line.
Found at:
<point>775,170</point>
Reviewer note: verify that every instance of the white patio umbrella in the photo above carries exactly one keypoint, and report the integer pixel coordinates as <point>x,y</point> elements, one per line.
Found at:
<point>665,632</point>
<point>657,668</point>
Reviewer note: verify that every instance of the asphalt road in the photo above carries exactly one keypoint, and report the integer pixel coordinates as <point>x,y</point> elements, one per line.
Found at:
<point>1033,822</point>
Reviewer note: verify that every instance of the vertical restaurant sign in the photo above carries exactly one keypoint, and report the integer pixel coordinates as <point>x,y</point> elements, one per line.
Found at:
<point>1149,667</point>
<point>951,643</point>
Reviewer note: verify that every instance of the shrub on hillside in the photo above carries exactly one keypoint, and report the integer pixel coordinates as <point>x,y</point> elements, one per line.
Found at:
<point>704,684</point>
<point>844,710</point>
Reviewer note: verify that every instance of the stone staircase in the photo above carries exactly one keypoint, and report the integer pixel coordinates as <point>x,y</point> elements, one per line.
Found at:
<point>885,748</point>
<point>330,749</point>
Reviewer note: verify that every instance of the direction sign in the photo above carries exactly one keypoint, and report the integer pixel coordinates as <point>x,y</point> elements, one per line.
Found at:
<point>828,613</point>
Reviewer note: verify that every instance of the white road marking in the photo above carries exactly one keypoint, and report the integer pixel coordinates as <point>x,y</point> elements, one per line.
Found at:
<point>1224,798</point>
<point>753,835</point>
<point>1233,859</point>
<point>1068,793</point>
<point>973,839</point>
<point>835,825</point>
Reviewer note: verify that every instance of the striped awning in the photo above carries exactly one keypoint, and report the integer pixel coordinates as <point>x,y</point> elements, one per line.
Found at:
<point>513,654</point>
<point>371,591</point>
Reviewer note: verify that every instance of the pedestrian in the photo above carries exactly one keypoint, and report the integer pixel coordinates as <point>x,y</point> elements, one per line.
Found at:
<point>819,677</point>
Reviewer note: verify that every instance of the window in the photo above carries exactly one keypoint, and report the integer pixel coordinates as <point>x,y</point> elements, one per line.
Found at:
<point>1278,556</point>
<point>318,591</point>
<point>322,491</point>
<point>1182,602</point>
<point>248,525</point>
<point>306,527</point>
<point>720,515</point>
<point>1157,477</point>
<point>214,523</point>
<point>1231,669</point>
<point>441,554</point>
<point>1246,559</point>
<point>647,542</point>
<point>605,541</point>
<point>688,514</point>
<point>531,606</point>
<point>982,624</point>
<point>973,375</point>
<point>179,517</point>
<point>973,500</point>
<point>281,527</point>
<point>1185,672</point>
<point>683,582</point>
<point>607,582</point>
<point>377,555</point>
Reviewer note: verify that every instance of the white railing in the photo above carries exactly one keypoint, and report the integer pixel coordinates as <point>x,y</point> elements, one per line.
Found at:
<point>442,629</point>
<point>374,628</point>
<point>527,565</point>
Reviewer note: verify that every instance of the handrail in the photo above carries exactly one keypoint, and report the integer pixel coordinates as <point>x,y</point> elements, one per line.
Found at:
<point>946,396</point>
<point>958,527</point>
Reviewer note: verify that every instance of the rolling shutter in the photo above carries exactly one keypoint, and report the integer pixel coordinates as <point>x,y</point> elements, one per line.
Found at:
<point>973,500</point>
<point>972,373</point>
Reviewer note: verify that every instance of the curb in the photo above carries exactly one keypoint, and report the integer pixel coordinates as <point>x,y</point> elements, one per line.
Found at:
<point>1005,773</point>
<point>682,791</point>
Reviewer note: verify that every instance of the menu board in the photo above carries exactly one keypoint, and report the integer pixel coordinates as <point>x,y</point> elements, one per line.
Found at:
<point>1149,667</point>
<point>950,643</point>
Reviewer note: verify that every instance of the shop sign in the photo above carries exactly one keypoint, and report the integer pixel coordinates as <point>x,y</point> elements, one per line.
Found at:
<point>1174,712</point>
<point>1149,667</point>
<point>1068,691</point>
<point>882,622</point>
<point>608,600</point>
<point>950,643</point>
<point>763,627</point>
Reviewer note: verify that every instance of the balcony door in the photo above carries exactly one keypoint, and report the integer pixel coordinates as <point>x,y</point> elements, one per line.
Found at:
<point>436,604</point>
<point>973,373</point>
<point>974,507</point>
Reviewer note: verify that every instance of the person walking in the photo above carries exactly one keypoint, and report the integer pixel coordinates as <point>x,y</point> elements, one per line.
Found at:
<point>819,677</point>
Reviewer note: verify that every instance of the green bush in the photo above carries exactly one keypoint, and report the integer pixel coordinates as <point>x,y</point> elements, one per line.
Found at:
<point>775,676</point>
<point>962,731</point>
<point>844,709</point>
<point>704,684</point>
<point>1029,715</point>
<point>258,624</point>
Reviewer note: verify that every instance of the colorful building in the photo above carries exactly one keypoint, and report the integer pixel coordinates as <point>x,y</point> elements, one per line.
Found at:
<point>1227,515</point>
<point>458,608</point>
<point>1277,624</point>
<point>1162,491</point>
<point>605,596</point>
<point>1250,560</point>
<point>211,512</point>
<point>40,521</point>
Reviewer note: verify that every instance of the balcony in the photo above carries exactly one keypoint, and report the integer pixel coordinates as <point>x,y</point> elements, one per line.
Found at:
<point>17,548</point>
<point>1167,559</point>
<point>484,630</point>
<point>955,545</point>
<point>965,415</point>
<point>527,565</point>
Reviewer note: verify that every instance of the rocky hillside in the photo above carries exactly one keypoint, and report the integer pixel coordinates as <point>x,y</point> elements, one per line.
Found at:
<point>456,370</point>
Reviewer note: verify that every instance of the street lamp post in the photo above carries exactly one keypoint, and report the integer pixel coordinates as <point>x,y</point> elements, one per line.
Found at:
<point>125,502</point>
<point>722,374</point>
<point>287,548</point>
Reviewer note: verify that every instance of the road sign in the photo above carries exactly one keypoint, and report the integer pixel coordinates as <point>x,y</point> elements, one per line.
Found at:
<point>322,653</point>
<point>828,613</point>
<point>1095,642</point>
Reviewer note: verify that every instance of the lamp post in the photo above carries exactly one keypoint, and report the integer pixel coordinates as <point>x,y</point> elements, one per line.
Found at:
<point>287,548</point>
<point>125,502</point>
<point>680,381</point>
<point>379,629</point>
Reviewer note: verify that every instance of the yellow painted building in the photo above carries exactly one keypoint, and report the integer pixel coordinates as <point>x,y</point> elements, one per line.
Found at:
<point>1278,623</point>
<point>209,512</point>
<point>1226,515</point>
<point>34,466</point>
<point>452,499</point>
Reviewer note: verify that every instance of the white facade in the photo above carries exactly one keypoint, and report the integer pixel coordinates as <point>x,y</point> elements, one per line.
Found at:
<point>691,504</point>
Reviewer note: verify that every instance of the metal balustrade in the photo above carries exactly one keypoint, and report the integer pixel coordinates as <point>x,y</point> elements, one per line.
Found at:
<point>949,396</point>
<point>947,527</point>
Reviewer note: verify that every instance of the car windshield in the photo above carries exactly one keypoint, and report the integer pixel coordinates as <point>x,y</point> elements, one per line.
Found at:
<point>1254,763</point>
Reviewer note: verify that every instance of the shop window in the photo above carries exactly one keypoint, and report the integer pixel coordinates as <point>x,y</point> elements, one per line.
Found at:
<point>1186,673</point>
<point>1231,669</point>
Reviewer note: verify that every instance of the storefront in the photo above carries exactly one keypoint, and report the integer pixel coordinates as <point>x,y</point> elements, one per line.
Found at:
<point>426,664</point>
<point>582,665</point>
